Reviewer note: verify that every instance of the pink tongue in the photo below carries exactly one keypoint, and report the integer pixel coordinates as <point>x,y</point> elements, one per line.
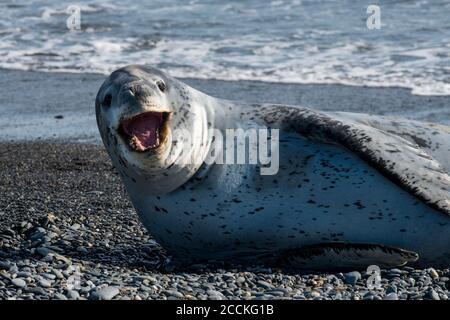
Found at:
<point>144,130</point>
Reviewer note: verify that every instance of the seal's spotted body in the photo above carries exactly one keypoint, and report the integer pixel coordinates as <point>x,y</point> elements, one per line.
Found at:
<point>351,189</point>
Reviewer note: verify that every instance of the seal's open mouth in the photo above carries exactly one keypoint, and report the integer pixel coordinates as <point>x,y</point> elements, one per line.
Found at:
<point>145,131</point>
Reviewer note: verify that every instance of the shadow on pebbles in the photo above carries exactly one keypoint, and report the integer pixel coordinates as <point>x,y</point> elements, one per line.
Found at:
<point>68,231</point>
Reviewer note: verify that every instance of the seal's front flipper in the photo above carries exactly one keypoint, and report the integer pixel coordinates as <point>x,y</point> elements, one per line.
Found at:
<point>329,256</point>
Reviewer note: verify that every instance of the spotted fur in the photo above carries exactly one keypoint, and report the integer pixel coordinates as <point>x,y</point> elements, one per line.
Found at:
<point>358,189</point>
<point>402,156</point>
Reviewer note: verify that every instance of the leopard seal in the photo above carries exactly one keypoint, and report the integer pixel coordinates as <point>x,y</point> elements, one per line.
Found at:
<point>351,189</point>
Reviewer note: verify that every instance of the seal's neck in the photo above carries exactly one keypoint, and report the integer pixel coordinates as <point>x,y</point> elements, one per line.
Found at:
<point>190,144</point>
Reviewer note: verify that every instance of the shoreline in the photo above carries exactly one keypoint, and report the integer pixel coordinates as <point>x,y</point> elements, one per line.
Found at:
<point>262,82</point>
<point>48,106</point>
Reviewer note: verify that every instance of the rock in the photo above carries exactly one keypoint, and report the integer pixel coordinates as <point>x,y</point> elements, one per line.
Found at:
<point>315,294</point>
<point>391,296</point>
<point>49,276</point>
<point>352,277</point>
<point>9,232</point>
<point>38,234</point>
<point>43,251</point>
<point>397,271</point>
<point>173,293</point>
<point>63,262</point>
<point>107,293</point>
<point>433,273</point>
<point>145,288</point>
<point>72,294</point>
<point>23,274</point>
<point>75,227</point>
<point>59,296</point>
<point>36,290</point>
<point>337,296</point>
<point>215,295</point>
<point>391,289</point>
<point>58,274</point>
<point>368,296</point>
<point>277,293</point>
<point>20,283</point>
<point>332,279</point>
<point>414,296</point>
<point>45,283</point>
<point>240,280</point>
<point>264,284</point>
<point>228,276</point>
<point>95,273</point>
<point>433,295</point>
<point>4,265</point>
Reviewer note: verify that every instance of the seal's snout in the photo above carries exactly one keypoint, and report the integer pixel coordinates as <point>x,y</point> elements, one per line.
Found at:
<point>140,91</point>
<point>137,93</point>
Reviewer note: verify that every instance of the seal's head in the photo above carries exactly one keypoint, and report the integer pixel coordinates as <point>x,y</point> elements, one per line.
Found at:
<point>153,126</point>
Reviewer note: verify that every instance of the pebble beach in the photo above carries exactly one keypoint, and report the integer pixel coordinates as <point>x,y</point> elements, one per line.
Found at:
<point>68,230</point>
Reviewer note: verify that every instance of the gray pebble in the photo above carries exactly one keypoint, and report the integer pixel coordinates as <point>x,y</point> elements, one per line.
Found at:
<point>433,295</point>
<point>48,276</point>
<point>240,279</point>
<point>368,296</point>
<point>36,290</point>
<point>174,293</point>
<point>264,284</point>
<point>45,283</point>
<point>43,251</point>
<point>72,294</point>
<point>391,289</point>
<point>352,277</point>
<point>391,296</point>
<point>75,227</point>
<point>58,274</point>
<point>396,271</point>
<point>107,293</point>
<point>23,274</point>
<point>4,265</point>
<point>215,295</point>
<point>18,282</point>
<point>59,296</point>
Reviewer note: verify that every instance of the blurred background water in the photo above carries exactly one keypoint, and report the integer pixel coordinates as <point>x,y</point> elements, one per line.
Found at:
<point>303,41</point>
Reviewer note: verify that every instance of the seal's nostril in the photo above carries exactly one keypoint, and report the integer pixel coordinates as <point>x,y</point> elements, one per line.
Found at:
<point>161,85</point>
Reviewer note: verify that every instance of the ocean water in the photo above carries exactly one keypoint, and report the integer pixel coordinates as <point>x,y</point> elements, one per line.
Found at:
<point>300,41</point>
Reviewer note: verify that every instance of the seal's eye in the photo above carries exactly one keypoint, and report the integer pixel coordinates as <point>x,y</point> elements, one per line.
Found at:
<point>161,85</point>
<point>107,101</point>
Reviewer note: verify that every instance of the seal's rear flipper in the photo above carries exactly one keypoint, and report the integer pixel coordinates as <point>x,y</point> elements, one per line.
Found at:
<point>328,256</point>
